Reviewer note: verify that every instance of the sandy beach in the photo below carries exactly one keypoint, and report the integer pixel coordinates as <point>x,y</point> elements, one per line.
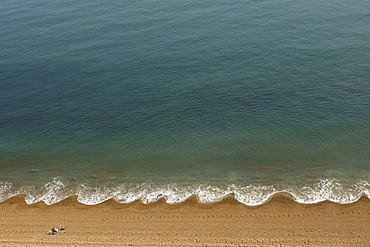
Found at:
<point>280,222</point>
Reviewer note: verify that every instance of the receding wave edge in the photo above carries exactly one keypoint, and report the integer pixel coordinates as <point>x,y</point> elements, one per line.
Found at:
<point>251,195</point>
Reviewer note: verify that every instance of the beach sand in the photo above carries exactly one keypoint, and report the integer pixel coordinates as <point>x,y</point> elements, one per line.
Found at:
<point>280,222</point>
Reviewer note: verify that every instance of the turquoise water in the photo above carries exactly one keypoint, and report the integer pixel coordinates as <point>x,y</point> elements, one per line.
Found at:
<point>150,99</point>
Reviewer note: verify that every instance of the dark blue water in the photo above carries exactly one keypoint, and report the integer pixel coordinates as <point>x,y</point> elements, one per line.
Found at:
<point>165,98</point>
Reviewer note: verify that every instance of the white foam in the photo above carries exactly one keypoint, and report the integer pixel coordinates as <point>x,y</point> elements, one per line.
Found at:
<point>5,190</point>
<point>330,190</point>
<point>148,193</point>
<point>51,193</point>
<point>251,195</point>
<point>210,194</point>
<point>91,196</point>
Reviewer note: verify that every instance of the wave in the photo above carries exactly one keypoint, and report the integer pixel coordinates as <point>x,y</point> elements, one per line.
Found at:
<point>250,195</point>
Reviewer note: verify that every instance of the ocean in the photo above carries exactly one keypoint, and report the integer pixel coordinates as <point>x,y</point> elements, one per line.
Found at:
<point>143,100</point>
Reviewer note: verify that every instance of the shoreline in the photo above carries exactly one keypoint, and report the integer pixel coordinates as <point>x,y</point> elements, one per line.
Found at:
<point>281,221</point>
<point>57,190</point>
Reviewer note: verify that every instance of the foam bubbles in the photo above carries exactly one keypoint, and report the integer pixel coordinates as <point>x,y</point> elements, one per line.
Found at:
<point>148,193</point>
<point>5,190</point>
<point>331,190</point>
<point>210,194</point>
<point>253,195</point>
<point>342,192</point>
<point>93,195</point>
<point>50,193</point>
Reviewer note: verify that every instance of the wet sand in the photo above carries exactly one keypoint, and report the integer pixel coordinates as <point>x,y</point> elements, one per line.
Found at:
<point>280,222</point>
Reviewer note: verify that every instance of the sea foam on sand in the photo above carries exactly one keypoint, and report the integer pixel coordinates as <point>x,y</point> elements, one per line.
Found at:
<point>251,195</point>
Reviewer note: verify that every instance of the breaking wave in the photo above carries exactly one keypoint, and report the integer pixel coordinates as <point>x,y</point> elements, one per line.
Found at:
<point>251,195</point>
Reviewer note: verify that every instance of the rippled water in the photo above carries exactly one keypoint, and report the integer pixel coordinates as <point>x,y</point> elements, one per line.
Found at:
<point>185,95</point>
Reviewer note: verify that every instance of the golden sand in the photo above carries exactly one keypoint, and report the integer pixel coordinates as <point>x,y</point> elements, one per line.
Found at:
<point>280,222</point>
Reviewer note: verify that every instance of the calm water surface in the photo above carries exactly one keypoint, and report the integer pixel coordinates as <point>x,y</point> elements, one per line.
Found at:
<point>106,98</point>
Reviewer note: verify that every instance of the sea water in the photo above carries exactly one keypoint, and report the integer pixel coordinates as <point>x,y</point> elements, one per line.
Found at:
<point>142,100</point>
